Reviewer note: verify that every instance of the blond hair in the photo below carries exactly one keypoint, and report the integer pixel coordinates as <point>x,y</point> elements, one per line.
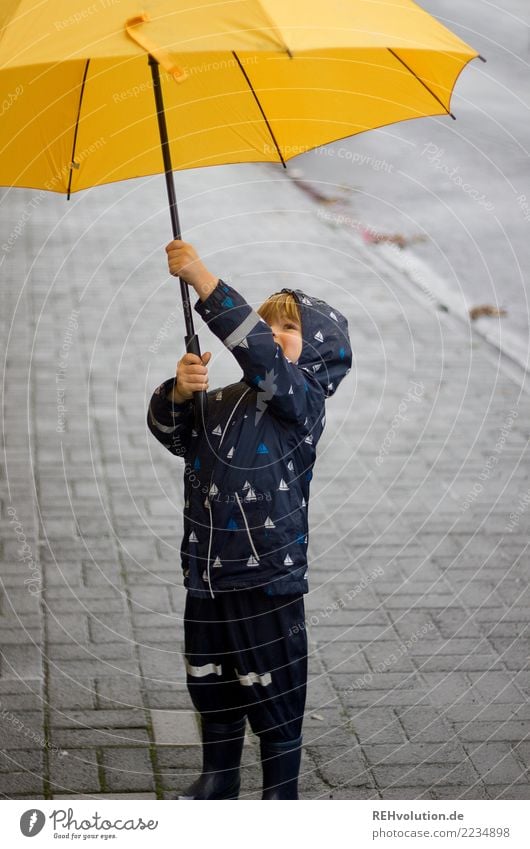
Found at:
<point>280,305</point>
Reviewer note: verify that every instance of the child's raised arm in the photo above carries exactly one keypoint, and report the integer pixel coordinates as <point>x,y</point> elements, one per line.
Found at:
<point>289,391</point>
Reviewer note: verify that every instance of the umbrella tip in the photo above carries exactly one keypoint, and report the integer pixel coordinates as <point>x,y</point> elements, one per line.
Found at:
<point>482,58</point>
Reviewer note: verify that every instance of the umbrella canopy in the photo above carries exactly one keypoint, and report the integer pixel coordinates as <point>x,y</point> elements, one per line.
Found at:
<point>244,81</point>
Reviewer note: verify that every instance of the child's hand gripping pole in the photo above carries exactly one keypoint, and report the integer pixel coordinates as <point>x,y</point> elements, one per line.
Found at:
<point>191,377</point>
<point>191,339</point>
<point>200,398</point>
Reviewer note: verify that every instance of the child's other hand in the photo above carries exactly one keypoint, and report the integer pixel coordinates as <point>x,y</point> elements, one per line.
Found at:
<point>184,262</point>
<point>192,375</point>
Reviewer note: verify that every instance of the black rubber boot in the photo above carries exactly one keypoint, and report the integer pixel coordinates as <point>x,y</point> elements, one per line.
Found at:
<point>222,747</point>
<point>281,765</point>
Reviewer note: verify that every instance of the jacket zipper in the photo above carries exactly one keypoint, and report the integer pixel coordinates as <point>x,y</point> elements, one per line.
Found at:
<point>209,488</point>
<point>247,527</point>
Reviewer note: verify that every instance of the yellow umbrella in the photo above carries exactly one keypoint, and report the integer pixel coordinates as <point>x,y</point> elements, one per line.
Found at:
<point>242,81</point>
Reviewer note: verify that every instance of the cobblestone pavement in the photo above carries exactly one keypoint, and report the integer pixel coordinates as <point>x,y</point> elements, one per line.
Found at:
<point>418,609</point>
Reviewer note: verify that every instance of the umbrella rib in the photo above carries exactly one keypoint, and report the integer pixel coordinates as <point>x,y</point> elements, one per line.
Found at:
<point>273,137</point>
<point>76,128</point>
<point>414,74</point>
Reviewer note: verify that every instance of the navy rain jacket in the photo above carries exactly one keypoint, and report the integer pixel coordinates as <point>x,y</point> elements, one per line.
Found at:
<point>246,478</point>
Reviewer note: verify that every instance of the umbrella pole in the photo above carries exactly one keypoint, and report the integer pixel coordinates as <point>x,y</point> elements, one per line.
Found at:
<point>191,339</point>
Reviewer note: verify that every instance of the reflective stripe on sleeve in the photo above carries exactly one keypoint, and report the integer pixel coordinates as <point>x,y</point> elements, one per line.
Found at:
<point>237,335</point>
<point>162,428</point>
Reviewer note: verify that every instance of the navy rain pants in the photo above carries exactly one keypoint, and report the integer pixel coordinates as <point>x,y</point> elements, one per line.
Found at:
<point>246,655</point>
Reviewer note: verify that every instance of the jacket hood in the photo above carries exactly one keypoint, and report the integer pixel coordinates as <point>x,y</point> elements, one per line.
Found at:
<point>326,348</point>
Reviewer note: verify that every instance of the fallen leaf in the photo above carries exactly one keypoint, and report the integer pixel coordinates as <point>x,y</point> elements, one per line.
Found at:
<point>311,190</point>
<point>373,237</point>
<point>485,309</point>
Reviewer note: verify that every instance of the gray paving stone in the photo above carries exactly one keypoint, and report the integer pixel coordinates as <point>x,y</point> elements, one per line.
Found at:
<point>446,688</point>
<point>365,696</point>
<point>77,771</point>
<point>67,738</point>
<point>450,662</point>
<point>456,623</point>
<point>177,759</point>
<point>139,796</point>
<point>68,693</point>
<point>329,716</point>
<point>16,783</point>
<point>95,668</point>
<point>109,628</point>
<point>521,751</point>
<point>354,793</point>
<point>514,652</point>
<point>378,725</point>
<point>127,770</point>
<point>147,618</point>
<point>428,775</point>
<point>20,729</point>
<point>495,686</point>
<point>21,702</point>
<point>101,652</point>
<point>67,628</point>
<point>320,690</point>
<point>63,575</point>
<point>118,693</point>
<point>64,603</point>
<point>328,634</point>
<point>15,760</point>
<point>168,699</point>
<point>166,635</point>
<point>98,718</point>
<point>106,575</point>
<point>510,731</point>
<point>410,625</point>
<point>175,727</point>
<point>343,768</point>
<point>424,724</point>
<point>20,661</point>
<point>501,791</point>
<point>316,733</point>
<point>400,792</point>
<point>21,686</point>
<point>413,753</point>
<point>345,658</point>
<point>162,666</point>
<point>496,764</point>
<point>459,647</point>
<point>474,791</point>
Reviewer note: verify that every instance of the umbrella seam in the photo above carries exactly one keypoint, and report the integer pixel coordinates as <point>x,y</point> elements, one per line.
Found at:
<point>76,128</point>
<point>256,98</point>
<point>411,71</point>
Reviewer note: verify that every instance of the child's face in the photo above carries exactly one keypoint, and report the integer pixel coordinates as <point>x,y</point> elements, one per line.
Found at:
<point>288,335</point>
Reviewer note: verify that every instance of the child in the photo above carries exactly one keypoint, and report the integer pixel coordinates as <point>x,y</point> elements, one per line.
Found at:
<point>246,490</point>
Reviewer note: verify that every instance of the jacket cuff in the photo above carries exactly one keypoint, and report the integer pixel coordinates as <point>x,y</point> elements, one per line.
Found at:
<point>224,310</point>
<point>163,409</point>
